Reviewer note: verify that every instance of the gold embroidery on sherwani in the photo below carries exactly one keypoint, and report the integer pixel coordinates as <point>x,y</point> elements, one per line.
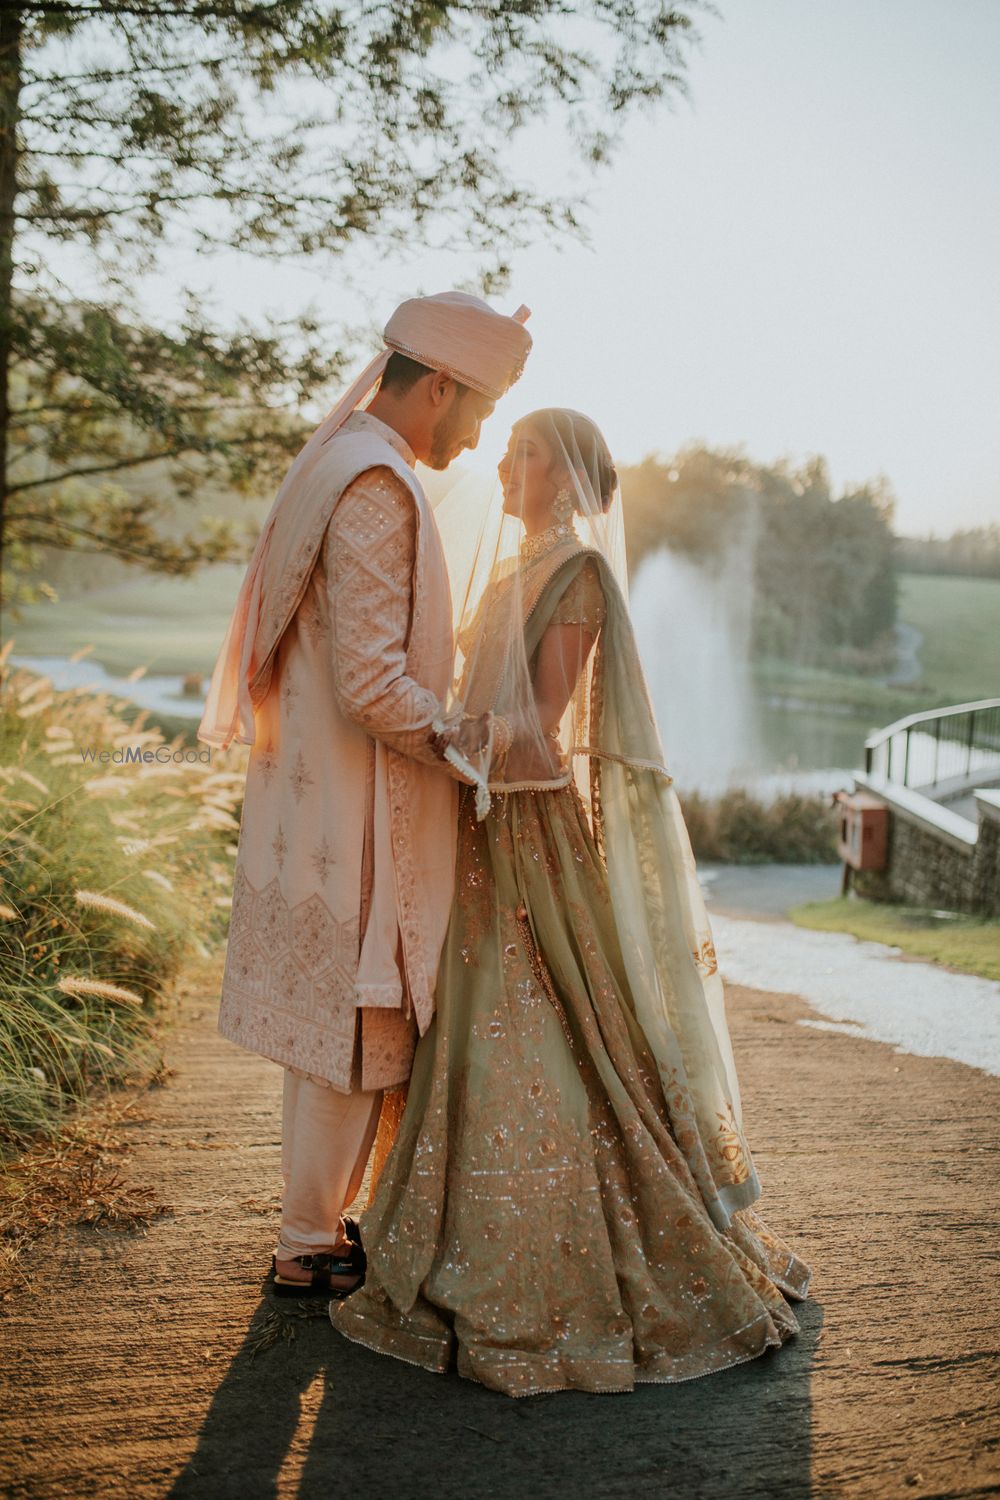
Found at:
<point>296,961</point>
<point>299,777</point>
<point>311,772</point>
<point>267,762</point>
<point>370,556</point>
<point>322,858</point>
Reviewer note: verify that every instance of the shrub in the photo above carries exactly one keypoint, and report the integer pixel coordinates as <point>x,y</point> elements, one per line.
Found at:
<point>109,876</point>
<point>737,828</point>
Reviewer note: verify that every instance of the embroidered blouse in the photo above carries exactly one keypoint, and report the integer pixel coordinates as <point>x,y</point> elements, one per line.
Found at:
<point>583,601</point>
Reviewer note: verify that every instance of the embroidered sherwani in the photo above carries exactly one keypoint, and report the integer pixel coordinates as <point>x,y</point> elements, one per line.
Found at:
<point>345,867</point>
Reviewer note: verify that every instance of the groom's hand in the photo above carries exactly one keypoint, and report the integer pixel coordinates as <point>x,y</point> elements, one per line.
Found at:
<point>440,739</point>
<point>440,742</point>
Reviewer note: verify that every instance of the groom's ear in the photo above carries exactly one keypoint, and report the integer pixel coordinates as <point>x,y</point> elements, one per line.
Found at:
<point>439,386</point>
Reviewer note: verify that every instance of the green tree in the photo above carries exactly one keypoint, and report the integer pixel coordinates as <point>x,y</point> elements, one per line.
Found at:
<point>825,584</point>
<point>825,565</point>
<point>689,502</point>
<point>293,128</point>
<point>972,553</point>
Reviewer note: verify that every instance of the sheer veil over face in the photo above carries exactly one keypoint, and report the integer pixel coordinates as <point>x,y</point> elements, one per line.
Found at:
<point>549,691</point>
<point>557,512</point>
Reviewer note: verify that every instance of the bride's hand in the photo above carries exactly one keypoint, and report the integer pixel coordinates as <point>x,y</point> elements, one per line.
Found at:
<point>468,736</point>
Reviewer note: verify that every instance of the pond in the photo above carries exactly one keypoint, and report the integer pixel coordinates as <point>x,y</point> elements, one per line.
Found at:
<point>162,694</point>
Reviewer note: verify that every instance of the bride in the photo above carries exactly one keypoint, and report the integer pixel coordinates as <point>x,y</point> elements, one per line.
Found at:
<point>569,1199</point>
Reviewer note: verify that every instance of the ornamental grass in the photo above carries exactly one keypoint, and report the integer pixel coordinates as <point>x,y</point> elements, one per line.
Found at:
<point>110,877</point>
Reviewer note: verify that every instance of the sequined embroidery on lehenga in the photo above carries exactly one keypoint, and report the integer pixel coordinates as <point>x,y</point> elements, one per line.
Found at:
<point>537,1222</point>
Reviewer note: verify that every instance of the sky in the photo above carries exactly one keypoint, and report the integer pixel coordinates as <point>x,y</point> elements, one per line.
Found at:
<point>800,258</point>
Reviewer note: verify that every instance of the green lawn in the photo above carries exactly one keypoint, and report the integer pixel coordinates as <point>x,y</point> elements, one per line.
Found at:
<point>959,619</point>
<point>867,697</point>
<point>166,624</point>
<point>971,944</point>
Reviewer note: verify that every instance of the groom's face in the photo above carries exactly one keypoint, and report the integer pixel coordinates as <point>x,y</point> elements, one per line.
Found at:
<point>458,426</point>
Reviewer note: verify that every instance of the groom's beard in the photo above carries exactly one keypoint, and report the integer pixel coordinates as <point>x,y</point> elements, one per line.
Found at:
<point>445,444</point>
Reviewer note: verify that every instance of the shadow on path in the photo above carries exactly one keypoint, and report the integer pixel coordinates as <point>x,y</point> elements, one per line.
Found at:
<point>384,1428</point>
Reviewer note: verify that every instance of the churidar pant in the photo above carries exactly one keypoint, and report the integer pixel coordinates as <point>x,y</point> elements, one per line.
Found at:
<point>326,1138</point>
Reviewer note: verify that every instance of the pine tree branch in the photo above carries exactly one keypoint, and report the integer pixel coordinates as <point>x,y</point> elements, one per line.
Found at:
<point>106,542</point>
<point>106,9</point>
<point>114,75</point>
<point>111,467</point>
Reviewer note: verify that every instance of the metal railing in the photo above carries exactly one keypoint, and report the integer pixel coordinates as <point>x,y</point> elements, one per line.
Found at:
<point>942,745</point>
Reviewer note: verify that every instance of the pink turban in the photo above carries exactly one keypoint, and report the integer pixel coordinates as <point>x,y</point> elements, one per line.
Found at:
<point>464,337</point>
<point>451,331</point>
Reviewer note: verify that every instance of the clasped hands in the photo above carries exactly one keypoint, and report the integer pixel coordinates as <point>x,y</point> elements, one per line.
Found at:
<point>468,733</point>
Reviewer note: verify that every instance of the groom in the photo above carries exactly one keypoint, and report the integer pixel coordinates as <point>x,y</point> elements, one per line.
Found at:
<point>337,660</point>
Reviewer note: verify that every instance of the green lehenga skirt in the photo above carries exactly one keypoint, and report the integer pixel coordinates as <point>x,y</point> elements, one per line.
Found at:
<point>536,1221</point>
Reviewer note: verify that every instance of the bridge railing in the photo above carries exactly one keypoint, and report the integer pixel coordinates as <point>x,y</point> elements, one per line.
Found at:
<point>940,746</point>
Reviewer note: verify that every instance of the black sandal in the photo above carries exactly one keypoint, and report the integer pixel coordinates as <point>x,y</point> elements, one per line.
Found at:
<point>322,1266</point>
<point>358,1258</point>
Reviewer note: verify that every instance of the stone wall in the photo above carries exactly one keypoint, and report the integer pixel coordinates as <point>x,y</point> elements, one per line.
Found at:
<point>924,869</point>
<point>988,866</point>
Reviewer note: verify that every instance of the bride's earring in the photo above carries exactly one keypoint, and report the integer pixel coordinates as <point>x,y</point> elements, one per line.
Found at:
<point>562,506</point>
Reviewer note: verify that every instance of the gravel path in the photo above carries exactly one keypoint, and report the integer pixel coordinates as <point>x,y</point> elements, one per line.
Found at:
<point>128,1367</point>
<point>868,988</point>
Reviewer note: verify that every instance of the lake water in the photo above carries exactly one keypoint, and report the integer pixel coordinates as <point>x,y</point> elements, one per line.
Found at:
<point>159,693</point>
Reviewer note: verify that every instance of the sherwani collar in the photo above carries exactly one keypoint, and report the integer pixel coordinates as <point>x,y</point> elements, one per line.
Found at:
<point>363,421</point>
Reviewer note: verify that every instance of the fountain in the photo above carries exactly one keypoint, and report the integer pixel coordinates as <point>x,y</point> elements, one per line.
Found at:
<point>692,622</point>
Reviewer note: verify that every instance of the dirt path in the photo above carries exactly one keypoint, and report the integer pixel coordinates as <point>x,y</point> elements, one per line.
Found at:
<point>129,1371</point>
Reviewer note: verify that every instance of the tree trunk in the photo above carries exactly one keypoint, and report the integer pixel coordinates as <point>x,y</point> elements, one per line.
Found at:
<point>10,106</point>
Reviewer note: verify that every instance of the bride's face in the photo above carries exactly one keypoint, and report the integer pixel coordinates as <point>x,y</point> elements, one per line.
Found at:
<point>527,475</point>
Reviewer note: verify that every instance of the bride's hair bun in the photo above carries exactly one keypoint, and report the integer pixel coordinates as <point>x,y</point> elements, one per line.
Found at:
<point>581,439</point>
<point>609,479</point>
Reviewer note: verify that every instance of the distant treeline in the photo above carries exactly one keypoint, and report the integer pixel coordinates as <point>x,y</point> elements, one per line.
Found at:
<point>823,566</point>
<point>970,554</point>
